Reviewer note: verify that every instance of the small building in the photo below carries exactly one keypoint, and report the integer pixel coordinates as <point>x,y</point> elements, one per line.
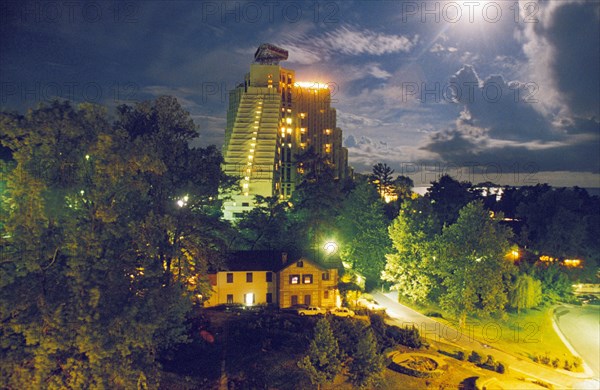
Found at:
<point>263,277</point>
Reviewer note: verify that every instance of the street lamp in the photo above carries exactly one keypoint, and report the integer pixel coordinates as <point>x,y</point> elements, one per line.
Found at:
<point>330,248</point>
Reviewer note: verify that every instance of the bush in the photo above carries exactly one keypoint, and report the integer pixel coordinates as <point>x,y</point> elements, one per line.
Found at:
<point>460,355</point>
<point>577,363</point>
<point>568,366</point>
<point>475,357</point>
<point>409,337</point>
<point>555,362</point>
<point>501,368</point>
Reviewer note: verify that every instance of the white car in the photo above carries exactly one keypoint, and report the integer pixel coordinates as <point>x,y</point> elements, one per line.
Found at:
<point>370,304</point>
<point>341,312</point>
<point>311,311</point>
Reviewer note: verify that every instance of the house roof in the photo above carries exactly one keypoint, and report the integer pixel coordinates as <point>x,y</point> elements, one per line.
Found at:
<point>263,260</point>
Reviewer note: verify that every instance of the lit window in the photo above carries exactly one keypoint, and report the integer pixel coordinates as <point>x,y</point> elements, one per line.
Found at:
<point>307,279</point>
<point>249,299</point>
<point>294,279</point>
<point>288,121</point>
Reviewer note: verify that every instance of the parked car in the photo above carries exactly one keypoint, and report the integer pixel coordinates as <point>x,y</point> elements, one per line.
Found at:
<point>370,304</point>
<point>311,311</point>
<point>341,312</point>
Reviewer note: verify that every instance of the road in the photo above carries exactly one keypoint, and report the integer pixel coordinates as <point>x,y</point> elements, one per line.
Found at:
<point>580,325</point>
<point>402,315</point>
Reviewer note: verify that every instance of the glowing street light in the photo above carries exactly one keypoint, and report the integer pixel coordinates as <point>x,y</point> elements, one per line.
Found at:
<point>330,248</point>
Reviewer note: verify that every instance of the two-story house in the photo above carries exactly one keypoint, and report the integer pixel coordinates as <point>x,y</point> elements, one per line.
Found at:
<point>261,277</point>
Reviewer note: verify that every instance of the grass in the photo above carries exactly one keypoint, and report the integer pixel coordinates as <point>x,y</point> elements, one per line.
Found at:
<point>526,334</point>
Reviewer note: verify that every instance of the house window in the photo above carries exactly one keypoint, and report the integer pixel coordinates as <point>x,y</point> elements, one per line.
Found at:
<point>269,277</point>
<point>307,279</point>
<point>269,297</point>
<point>300,264</point>
<point>307,299</point>
<point>326,294</point>
<point>245,204</point>
<point>229,277</point>
<point>294,300</point>
<point>325,276</point>
<point>248,277</point>
<point>294,279</point>
<point>229,298</point>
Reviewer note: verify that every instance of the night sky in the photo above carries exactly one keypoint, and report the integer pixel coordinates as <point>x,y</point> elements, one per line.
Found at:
<point>509,90</point>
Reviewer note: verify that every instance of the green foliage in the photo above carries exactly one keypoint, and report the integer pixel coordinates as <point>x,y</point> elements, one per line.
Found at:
<point>363,233</point>
<point>408,336</point>
<point>470,261</point>
<point>526,292</point>
<point>96,259</point>
<point>322,362</point>
<point>367,364</point>
<point>407,267</point>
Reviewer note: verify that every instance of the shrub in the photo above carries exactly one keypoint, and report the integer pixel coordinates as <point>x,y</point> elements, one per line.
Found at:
<point>577,363</point>
<point>568,366</point>
<point>409,337</point>
<point>460,355</point>
<point>555,362</point>
<point>475,357</point>
<point>501,368</point>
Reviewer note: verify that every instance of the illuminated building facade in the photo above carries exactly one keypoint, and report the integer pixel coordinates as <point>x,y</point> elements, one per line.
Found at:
<point>271,119</point>
<point>262,277</point>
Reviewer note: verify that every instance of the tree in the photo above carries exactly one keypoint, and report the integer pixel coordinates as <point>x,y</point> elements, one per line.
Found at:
<point>322,362</point>
<point>86,301</point>
<point>366,364</point>
<point>383,179</point>
<point>362,230</point>
<point>448,196</point>
<point>470,261</point>
<point>408,266</point>
<point>266,226</point>
<point>526,292</point>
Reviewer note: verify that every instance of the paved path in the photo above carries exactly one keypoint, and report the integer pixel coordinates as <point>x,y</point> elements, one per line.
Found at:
<point>403,315</point>
<point>580,326</point>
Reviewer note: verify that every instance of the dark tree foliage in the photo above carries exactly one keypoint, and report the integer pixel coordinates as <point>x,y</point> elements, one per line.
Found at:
<point>97,261</point>
<point>448,196</point>
<point>382,177</point>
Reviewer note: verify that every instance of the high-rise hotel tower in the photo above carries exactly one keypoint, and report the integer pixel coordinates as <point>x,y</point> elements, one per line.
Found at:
<point>271,120</point>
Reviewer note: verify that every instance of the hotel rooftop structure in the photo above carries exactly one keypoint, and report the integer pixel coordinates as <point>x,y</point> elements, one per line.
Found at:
<point>272,119</point>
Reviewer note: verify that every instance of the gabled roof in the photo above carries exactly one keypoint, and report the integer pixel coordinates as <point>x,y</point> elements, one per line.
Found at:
<point>264,260</point>
<point>253,261</point>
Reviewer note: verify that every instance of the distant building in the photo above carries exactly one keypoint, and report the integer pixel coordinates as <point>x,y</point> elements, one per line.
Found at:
<point>272,119</point>
<point>261,277</point>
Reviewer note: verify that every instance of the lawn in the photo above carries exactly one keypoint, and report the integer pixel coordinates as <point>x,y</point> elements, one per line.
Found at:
<point>527,334</point>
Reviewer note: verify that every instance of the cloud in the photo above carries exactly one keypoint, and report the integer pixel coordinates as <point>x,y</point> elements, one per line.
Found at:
<point>563,55</point>
<point>498,126</point>
<point>347,40</point>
